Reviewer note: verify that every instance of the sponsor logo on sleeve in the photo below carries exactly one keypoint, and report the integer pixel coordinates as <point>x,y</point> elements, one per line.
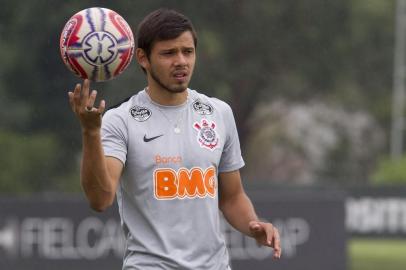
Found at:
<point>202,108</point>
<point>140,114</point>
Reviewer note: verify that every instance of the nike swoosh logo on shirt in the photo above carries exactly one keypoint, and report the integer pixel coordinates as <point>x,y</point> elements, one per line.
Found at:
<point>152,138</point>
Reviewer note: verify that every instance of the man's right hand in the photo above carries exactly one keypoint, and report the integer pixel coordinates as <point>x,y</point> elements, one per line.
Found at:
<point>82,101</point>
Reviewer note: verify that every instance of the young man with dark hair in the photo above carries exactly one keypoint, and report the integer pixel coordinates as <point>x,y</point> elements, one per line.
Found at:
<point>172,157</point>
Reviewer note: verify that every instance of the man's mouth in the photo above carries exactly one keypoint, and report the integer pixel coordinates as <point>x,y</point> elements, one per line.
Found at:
<point>180,75</point>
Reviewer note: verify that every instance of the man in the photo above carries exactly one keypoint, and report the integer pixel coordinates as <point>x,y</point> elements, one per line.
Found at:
<point>179,153</point>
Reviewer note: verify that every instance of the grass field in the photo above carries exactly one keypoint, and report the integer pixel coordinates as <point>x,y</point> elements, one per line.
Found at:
<point>377,254</point>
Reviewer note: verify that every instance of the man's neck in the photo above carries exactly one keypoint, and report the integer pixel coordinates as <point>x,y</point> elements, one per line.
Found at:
<point>165,97</point>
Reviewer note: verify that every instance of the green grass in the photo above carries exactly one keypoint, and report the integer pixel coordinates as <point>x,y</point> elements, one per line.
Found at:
<point>377,254</point>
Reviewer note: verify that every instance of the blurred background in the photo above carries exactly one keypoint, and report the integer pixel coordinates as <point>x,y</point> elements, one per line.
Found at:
<point>317,89</point>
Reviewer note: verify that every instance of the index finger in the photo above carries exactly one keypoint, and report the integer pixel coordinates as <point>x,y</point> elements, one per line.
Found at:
<point>71,102</point>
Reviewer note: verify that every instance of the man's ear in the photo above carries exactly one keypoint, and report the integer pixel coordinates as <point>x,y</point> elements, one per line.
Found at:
<point>142,58</point>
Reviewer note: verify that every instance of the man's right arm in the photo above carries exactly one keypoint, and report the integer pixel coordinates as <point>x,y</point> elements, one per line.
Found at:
<point>99,174</point>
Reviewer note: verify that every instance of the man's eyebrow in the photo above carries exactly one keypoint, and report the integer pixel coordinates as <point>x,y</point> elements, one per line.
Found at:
<point>168,49</point>
<point>176,49</point>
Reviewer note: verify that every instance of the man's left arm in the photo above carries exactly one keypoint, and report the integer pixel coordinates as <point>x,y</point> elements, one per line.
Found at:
<point>239,212</point>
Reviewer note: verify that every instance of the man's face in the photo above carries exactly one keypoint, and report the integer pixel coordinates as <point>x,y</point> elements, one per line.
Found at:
<point>171,63</point>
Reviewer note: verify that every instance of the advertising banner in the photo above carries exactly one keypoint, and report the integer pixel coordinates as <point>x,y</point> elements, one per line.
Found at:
<point>64,233</point>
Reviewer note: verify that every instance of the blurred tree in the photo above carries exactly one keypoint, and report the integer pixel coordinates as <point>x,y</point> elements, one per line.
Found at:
<point>312,143</point>
<point>28,162</point>
<point>390,172</point>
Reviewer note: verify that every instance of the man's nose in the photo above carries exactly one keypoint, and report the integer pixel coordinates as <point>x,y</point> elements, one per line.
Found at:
<point>180,59</point>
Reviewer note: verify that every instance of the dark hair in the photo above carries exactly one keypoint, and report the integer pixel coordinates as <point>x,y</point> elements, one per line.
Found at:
<point>162,24</point>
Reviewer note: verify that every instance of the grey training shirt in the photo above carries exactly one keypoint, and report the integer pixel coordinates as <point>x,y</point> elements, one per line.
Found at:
<point>168,194</point>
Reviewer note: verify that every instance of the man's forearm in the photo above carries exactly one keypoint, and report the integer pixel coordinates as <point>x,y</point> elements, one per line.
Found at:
<point>239,211</point>
<point>95,180</point>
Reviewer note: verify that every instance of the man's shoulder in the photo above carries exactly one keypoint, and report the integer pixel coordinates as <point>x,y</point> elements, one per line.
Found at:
<point>125,105</point>
<point>200,99</point>
<point>121,104</point>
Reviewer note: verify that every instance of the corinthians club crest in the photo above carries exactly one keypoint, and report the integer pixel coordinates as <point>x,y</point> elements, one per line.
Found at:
<point>206,136</point>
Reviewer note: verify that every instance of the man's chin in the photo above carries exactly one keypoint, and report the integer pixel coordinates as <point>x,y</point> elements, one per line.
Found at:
<point>178,88</point>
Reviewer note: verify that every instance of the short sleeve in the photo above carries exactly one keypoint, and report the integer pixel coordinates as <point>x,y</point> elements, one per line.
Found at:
<point>114,135</point>
<point>231,158</point>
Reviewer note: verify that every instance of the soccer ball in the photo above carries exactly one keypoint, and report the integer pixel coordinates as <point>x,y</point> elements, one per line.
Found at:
<point>97,44</point>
